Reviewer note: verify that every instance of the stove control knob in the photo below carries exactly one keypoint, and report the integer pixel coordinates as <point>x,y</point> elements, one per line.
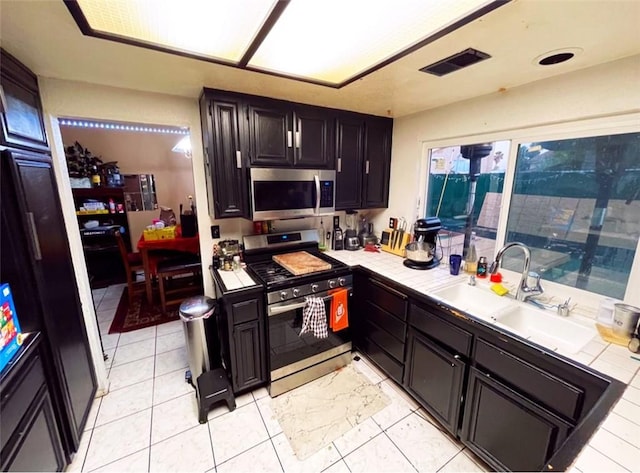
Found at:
<point>283,295</point>
<point>314,287</point>
<point>296,292</point>
<point>332,283</point>
<point>341,281</point>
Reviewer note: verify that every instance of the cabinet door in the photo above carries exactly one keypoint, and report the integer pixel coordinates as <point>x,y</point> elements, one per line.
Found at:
<point>230,192</point>
<point>271,135</point>
<point>21,117</point>
<point>377,163</point>
<point>313,138</point>
<point>506,429</point>
<point>38,446</point>
<point>248,352</point>
<point>41,216</point>
<point>436,378</point>
<point>349,166</point>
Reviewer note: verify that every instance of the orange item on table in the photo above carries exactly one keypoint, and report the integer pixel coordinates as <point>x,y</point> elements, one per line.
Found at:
<point>339,316</point>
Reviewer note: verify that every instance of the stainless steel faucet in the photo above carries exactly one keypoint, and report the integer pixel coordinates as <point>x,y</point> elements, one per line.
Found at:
<point>530,281</point>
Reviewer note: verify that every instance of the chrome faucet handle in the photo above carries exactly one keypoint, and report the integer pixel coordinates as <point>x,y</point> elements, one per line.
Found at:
<point>472,280</point>
<point>531,285</point>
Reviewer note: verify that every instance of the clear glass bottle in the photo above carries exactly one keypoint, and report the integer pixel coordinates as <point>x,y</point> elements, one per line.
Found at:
<point>471,261</point>
<point>322,236</point>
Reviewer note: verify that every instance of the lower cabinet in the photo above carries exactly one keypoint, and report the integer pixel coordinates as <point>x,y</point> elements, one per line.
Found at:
<point>38,447</point>
<point>244,339</point>
<point>425,364</point>
<point>29,438</point>
<point>507,430</point>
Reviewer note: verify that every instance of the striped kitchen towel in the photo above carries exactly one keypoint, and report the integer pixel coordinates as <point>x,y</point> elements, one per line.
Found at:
<point>314,318</point>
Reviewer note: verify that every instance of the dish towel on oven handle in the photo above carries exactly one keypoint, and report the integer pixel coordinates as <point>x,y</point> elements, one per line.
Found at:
<point>314,318</point>
<point>339,317</point>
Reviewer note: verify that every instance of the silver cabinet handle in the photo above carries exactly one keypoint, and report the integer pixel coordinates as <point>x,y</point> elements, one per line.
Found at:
<point>289,139</point>
<point>238,159</point>
<point>367,167</point>
<point>3,100</point>
<point>34,236</point>
<point>339,164</point>
<point>298,139</point>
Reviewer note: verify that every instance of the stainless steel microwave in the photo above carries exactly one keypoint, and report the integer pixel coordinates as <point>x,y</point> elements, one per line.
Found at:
<point>291,193</point>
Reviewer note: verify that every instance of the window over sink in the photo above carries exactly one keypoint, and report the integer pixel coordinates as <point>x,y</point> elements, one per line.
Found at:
<point>573,199</point>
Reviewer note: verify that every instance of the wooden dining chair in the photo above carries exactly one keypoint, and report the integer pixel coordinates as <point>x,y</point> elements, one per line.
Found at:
<point>179,278</point>
<point>132,264</point>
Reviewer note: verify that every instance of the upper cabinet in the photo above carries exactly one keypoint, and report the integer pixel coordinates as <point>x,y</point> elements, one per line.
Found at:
<point>363,161</point>
<point>243,131</point>
<point>22,120</point>
<point>282,134</point>
<point>226,154</point>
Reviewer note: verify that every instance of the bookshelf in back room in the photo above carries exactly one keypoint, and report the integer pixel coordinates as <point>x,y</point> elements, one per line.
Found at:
<point>101,211</point>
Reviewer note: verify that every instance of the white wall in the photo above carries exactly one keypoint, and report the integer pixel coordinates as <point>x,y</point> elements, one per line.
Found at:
<point>80,100</point>
<point>602,97</point>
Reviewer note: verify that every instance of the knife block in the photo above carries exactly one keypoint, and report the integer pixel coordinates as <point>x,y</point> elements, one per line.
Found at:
<point>398,248</point>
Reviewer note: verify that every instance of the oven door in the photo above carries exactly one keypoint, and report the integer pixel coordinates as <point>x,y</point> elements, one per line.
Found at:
<point>288,351</point>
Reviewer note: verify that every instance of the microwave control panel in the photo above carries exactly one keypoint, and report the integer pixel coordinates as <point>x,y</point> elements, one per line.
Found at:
<point>326,193</point>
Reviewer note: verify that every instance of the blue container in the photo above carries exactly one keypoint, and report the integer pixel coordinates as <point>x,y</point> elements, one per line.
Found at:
<point>10,335</point>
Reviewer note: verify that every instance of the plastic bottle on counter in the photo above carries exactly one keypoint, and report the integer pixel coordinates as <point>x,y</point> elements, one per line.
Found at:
<point>481,271</point>
<point>471,261</point>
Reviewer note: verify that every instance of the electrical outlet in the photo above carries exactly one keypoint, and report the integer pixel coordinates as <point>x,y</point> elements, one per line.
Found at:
<point>215,231</point>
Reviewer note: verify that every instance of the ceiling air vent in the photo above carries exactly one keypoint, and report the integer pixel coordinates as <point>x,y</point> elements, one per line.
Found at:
<point>457,61</point>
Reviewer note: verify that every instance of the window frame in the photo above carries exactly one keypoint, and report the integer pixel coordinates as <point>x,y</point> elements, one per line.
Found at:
<point>606,125</point>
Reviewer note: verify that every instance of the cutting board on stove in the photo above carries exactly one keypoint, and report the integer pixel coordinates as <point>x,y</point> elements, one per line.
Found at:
<point>301,262</point>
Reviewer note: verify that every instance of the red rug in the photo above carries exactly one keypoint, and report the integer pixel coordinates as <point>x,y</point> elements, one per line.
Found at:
<point>139,314</point>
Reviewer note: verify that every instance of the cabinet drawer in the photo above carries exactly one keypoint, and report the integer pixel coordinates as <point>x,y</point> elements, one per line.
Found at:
<point>245,311</point>
<point>17,398</point>
<point>386,321</point>
<point>383,360</point>
<point>553,392</point>
<point>448,334</point>
<point>389,299</point>
<point>389,343</point>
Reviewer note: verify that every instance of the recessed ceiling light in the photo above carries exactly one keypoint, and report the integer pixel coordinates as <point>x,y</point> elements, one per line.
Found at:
<point>328,42</point>
<point>556,56</point>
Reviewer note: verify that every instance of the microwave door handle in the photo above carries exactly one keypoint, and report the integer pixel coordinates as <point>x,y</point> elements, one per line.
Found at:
<point>317,179</point>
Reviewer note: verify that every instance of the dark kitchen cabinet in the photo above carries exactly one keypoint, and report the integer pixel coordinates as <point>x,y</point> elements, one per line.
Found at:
<point>377,165</point>
<point>436,378</point>
<point>43,282</point>
<point>313,137</point>
<point>244,338</point>
<point>226,155</point>
<point>508,430</point>
<point>270,135</point>
<point>363,161</point>
<point>379,325</point>
<point>29,433</point>
<point>21,117</point>
<point>349,159</point>
<point>283,134</point>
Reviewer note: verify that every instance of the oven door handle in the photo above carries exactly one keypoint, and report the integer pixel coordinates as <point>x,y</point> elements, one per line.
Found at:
<point>298,305</point>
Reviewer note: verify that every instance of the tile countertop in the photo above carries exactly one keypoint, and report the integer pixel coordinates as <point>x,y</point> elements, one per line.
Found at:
<point>615,446</point>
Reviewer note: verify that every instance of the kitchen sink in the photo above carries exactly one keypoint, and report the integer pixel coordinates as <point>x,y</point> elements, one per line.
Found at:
<point>545,328</point>
<point>475,300</point>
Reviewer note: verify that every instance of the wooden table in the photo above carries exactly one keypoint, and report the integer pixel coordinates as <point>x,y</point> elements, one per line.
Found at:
<point>187,245</point>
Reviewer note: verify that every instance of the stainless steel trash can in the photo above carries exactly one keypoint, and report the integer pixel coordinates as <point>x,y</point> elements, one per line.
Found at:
<point>201,336</point>
<point>206,375</point>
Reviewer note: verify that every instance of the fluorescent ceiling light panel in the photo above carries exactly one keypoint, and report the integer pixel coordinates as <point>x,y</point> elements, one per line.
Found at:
<point>333,40</point>
<point>218,29</point>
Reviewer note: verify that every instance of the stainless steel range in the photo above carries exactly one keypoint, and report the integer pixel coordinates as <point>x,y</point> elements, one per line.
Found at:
<point>295,360</point>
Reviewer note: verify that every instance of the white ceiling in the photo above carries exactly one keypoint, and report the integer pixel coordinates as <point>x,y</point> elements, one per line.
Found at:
<point>44,36</point>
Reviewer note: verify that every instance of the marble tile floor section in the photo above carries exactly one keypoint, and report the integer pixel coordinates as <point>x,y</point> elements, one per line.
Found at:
<point>148,421</point>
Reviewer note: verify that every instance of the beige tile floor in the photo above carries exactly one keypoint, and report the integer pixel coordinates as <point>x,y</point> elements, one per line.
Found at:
<point>148,420</point>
